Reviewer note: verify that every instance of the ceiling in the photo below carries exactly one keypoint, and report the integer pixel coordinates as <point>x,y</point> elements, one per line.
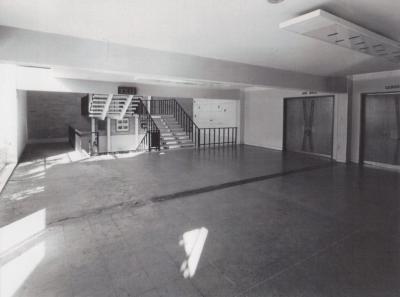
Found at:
<point>234,30</point>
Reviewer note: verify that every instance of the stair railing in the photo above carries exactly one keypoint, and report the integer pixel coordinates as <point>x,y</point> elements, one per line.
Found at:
<point>172,107</point>
<point>201,137</point>
<point>186,122</point>
<point>217,136</point>
<point>151,140</point>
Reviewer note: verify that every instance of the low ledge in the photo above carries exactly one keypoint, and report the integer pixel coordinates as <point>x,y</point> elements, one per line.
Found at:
<point>5,174</point>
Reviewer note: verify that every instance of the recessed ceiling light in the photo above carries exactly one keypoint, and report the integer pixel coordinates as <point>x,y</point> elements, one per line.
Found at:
<point>275,1</point>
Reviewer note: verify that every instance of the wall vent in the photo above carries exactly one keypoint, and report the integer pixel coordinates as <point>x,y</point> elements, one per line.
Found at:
<point>327,27</point>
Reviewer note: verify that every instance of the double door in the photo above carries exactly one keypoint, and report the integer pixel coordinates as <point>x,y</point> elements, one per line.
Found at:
<point>308,125</point>
<point>381,129</point>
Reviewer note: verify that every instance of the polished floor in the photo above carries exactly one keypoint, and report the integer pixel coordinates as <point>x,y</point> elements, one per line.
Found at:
<point>248,222</point>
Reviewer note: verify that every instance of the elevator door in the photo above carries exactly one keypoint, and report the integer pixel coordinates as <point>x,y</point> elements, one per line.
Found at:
<point>309,125</point>
<point>381,139</point>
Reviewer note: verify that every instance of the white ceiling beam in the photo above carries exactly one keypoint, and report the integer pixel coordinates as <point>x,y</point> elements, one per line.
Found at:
<point>27,47</point>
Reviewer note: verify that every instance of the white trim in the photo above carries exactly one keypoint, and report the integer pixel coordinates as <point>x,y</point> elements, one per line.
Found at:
<point>376,75</point>
<point>125,108</point>
<point>106,107</point>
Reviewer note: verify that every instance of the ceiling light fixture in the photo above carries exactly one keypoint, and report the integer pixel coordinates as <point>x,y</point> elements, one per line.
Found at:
<point>275,1</point>
<point>327,27</point>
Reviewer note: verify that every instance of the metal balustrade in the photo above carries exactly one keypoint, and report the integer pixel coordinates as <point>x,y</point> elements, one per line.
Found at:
<point>201,137</point>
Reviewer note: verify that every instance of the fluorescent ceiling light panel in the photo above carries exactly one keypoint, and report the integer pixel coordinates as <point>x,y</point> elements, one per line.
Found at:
<point>327,27</point>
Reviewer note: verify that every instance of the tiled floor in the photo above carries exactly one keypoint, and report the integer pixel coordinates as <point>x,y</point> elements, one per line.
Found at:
<point>329,231</point>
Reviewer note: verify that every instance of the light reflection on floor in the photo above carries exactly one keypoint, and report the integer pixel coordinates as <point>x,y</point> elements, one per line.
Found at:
<point>15,272</point>
<point>193,242</point>
<point>16,233</point>
<point>18,259</point>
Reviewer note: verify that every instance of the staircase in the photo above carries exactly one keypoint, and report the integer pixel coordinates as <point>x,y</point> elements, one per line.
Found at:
<point>112,106</point>
<point>172,134</point>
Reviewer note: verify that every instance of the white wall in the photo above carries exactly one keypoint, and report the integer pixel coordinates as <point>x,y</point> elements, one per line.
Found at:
<point>37,79</point>
<point>7,99</point>
<point>22,122</point>
<point>263,119</point>
<point>13,115</point>
<point>368,83</point>
<point>120,142</point>
<point>38,48</point>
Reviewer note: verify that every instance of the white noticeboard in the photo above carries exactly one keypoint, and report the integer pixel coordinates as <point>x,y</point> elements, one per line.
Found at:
<point>214,113</point>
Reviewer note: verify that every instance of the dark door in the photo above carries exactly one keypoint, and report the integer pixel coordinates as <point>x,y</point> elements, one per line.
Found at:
<point>381,135</point>
<point>309,125</point>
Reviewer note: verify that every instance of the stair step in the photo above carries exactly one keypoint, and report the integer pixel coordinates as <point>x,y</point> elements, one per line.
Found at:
<point>176,146</point>
<point>167,138</point>
<point>181,138</point>
<point>171,146</point>
<point>179,133</point>
<point>169,120</point>
<point>189,144</point>
<point>171,123</point>
<point>171,142</point>
<point>176,141</point>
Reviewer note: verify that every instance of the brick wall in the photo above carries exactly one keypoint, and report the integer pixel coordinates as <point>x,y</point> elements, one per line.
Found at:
<point>50,113</point>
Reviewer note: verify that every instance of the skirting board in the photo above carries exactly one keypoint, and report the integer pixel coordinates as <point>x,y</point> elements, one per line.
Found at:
<point>275,148</point>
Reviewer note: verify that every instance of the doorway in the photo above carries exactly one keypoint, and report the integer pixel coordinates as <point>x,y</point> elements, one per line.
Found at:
<point>380,137</point>
<point>308,125</point>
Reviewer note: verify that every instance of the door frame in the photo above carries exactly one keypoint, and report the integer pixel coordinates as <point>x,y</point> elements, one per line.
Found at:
<point>285,100</point>
<point>361,149</point>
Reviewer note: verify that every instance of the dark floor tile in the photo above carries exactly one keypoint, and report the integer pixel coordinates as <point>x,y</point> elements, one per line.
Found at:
<point>367,264</point>
<point>179,288</point>
<point>210,282</point>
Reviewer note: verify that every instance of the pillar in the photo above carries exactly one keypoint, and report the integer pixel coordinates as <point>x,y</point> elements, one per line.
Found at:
<point>108,134</point>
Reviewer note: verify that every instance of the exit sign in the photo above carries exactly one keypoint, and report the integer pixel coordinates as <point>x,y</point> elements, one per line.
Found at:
<point>127,90</point>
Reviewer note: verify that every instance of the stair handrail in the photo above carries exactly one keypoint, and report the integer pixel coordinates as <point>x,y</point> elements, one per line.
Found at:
<point>189,126</point>
<point>152,138</point>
